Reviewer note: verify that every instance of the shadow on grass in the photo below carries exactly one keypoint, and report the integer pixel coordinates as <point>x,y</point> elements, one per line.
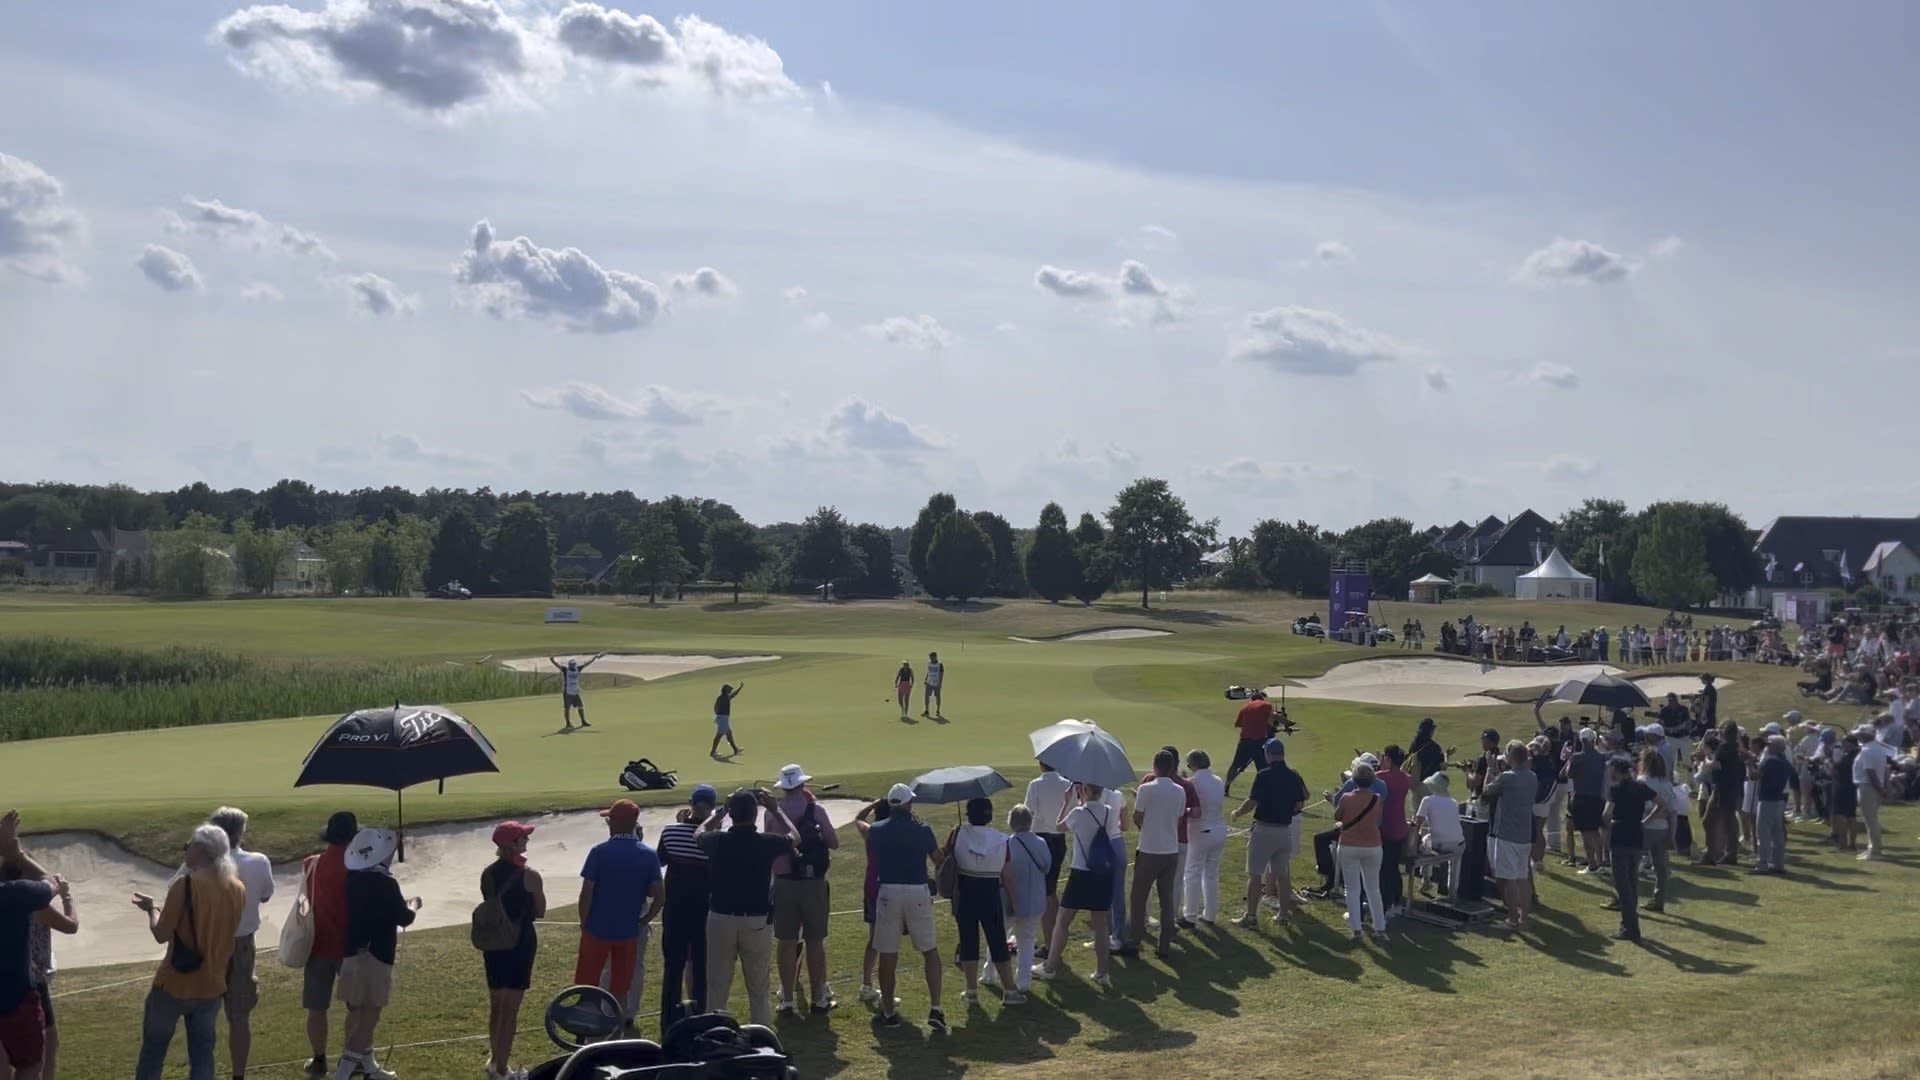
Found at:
<point>1174,615</point>
<point>1689,963</point>
<point>1818,882</point>
<point>1581,947</point>
<point>729,605</point>
<point>1712,930</point>
<point>810,1040</point>
<point>970,607</point>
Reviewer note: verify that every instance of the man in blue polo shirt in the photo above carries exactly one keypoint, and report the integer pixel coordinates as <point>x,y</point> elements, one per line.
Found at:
<point>619,896</point>
<point>900,847</point>
<point>1277,795</point>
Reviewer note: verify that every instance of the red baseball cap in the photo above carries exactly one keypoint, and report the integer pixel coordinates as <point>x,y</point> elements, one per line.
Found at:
<point>510,832</point>
<point>625,810</point>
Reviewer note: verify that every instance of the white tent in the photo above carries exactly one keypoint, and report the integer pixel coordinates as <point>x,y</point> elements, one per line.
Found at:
<point>1427,589</point>
<point>1554,577</point>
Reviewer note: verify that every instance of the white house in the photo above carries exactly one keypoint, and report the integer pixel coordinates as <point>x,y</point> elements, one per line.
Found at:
<point>1895,568</point>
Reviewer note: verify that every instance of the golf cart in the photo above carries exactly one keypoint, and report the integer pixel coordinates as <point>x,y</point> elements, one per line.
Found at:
<point>585,1023</point>
<point>451,590</point>
<point>1309,625</point>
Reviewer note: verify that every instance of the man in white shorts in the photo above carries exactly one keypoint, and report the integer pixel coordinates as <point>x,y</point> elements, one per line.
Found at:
<point>570,687</point>
<point>930,686</point>
<point>900,847</point>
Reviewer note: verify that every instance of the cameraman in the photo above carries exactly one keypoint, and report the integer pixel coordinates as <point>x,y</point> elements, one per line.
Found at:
<point>1255,721</point>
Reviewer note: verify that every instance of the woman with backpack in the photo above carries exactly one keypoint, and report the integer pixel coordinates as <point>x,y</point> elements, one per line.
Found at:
<point>512,897</point>
<point>1089,881</point>
<point>979,852</point>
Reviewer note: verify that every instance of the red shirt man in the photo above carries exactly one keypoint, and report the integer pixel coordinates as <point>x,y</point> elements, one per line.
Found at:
<point>1254,718</point>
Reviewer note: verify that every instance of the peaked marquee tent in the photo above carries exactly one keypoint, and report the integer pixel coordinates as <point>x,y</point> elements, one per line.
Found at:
<point>1554,577</point>
<point>1427,589</point>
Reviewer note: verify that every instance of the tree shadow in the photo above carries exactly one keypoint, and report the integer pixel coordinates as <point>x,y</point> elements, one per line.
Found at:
<point>729,605</point>
<point>1176,615</point>
<point>968,607</point>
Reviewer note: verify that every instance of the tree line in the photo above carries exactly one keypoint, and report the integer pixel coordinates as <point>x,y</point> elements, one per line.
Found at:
<point>392,541</point>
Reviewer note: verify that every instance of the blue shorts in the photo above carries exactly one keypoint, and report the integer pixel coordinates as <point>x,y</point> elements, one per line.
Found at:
<point>722,724</point>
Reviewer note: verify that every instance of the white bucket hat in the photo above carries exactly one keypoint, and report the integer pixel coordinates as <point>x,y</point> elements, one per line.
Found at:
<point>371,847</point>
<point>792,776</point>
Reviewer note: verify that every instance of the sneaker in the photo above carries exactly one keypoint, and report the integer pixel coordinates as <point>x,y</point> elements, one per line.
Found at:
<point>1654,906</point>
<point>825,1003</point>
<point>1867,856</point>
<point>1248,921</point>
<point>1014,997</point>
<point>1103,982</point>
<point>971,997</point>
<point>1585,870</point>
<point>1353,936</point>
<point>1623,935</point>
<point>784,1007</point>
<point>936,1021</point>
<point>869,995</point>
<point>1611,905</point>
<point>1042,973</point>
<point>891,1019</point>
<point>372,1070</point>
<point>1185,923</point>
<point>317,1066</point>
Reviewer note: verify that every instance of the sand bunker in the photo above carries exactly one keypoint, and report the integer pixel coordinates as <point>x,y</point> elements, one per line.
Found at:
<point>443,868</point>
<point>648,666</point>
<point>1430,683</point>
<point>1118,633</point>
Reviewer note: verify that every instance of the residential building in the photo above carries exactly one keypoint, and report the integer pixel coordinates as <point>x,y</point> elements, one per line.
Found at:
<point>1896,569</point>
<point>1829,552</point>
<point>1515,548</point>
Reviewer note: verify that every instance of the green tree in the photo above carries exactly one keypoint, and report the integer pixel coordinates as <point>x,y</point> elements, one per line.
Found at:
<point>1240,570</point>
<point>1670,565</point>
<point>1597,527</point>
<point>459,552</point>
<point>1053,568</point>
<point>386,572</point>
<point>27,515</point>
<point>823,551</point>
<point>1395,553</point>
<point>1296,557</point>
<point>1154,540</point>
<point>1005,577</point>
<point>878,576</point>
<point>344,544</point>
<point>1730,557</point>
<point>931,515</point>
<point>654,554</point>
<point>734,553</point>
<point>523,550</point>
<point>959,560</point>
<point>1095,557</point>
<point>187,560</point>
<point>257,556</point>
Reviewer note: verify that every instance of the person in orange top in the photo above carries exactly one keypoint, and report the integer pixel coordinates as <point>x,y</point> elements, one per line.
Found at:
<point>1357,815</point>
<point>326,891</point>
<point>1255,721</point>
<point>196,923</point>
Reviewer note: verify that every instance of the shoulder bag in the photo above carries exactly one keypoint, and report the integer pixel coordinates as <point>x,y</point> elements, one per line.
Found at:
<point>296,934</point>
<point>182,957</point>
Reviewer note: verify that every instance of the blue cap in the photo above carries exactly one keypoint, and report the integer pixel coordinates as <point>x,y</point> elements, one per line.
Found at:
<point>1275,747</point>
<point>704,793</point>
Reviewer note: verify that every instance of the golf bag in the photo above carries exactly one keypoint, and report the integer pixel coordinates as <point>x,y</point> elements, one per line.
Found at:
<point>642,775</point>
<point>712,1046</point>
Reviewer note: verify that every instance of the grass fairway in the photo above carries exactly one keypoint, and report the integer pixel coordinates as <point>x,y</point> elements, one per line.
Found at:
<point>1805,976</point>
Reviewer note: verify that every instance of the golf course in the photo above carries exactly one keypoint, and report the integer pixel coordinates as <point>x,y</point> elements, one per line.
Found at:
<point>1810,974</point>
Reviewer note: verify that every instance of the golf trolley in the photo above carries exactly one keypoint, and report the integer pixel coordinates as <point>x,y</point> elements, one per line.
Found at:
<point>1282,723</point>
<point>585,1022</point>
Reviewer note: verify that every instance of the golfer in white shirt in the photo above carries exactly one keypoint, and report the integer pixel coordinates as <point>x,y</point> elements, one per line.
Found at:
<point>1206,841</point>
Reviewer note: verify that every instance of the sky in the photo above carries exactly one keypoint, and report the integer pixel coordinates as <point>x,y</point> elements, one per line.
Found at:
<point>1303,260</point>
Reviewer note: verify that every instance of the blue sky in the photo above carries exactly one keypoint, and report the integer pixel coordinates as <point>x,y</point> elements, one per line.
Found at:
<point>1430,260</point>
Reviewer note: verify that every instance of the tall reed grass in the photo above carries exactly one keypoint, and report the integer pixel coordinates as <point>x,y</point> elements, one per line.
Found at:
<point>51,688</point>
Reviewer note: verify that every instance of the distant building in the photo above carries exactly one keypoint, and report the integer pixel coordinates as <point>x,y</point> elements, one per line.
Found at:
<point>1896,569</point>
<point>1800,553</point>
<point>1513,549</point>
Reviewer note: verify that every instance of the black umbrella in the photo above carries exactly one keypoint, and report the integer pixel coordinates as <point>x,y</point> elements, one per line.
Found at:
<point>397,747</point>
<point>1604,691</point>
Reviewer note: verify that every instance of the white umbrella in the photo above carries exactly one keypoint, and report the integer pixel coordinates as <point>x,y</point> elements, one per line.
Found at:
<point>1053,733</point>
<point>1089,756</point>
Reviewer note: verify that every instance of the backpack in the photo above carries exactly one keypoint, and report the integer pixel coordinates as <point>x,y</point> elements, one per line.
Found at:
<point>810,863</point>
<point>642,775</point>
<point>1100,853</point>
<point>493,930</point>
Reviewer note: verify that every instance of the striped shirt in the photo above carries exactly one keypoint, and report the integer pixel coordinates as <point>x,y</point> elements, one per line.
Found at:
<point>686,865</point>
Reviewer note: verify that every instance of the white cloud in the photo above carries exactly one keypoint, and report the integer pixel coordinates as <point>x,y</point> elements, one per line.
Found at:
<point>1570,470</point>
<point>924,332</point>
<point>169,269</point>
<point>438,56</point>
<point>518,278</point>
<point>1307,341</point>
<point>1133,290</point>
<point>37,228</point>
<point>1439,379</point>
<point>1579,261</point>
<point>704,282</point>
<point>213,218</point>
<point>794,294</point>
<point>819,322</point>
<point>1332,251</point>
<point>1666,247</point>
<point>304,243</point>
<point>1547,373</point>
<point>587,401</point>
<point>1251,473</point>
<point>407,448</point>
<point>379,297</point>
<point>695,55</point>
<point>261,292</point>
<point>859,426</point>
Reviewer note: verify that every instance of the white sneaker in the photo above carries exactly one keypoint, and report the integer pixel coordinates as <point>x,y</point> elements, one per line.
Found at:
<point>784,1006</point>
<point>373,1070</point>
<point>1103,982</point>
<point>969,996</point>
<point>869,995</point>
